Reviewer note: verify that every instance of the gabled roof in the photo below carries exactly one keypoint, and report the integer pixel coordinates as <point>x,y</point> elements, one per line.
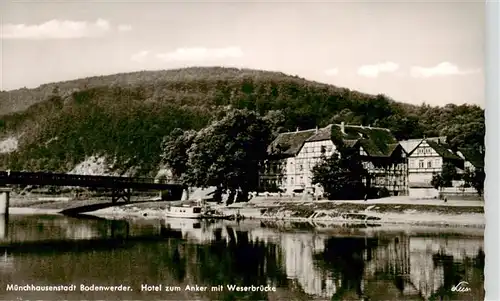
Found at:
<point>290,143</point>
<point>393,146</point>
<point>410,144</point>
<point>442,149</point>
<point>473,156</point>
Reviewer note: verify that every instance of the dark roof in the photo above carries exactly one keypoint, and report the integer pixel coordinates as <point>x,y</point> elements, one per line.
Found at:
<point>473,156</point>
<point>351,143</point>
<point>393,146</point>
<point>290,143</point>
<point>443,150</point>
<point>322,134</point>
<point>377,142</point>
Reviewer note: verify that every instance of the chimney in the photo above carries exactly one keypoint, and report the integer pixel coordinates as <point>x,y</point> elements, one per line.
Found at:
<point>316,129</point>
<point>297,129</point>
<point>342,127</point>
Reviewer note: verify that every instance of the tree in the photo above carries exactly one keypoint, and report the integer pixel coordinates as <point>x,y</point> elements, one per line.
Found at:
<point>340,176</point>
<point>448,174</point>
<point>228,153</point>
<point>175,147</point>
<point>478,181</point>
<point>475,179</point>
<point>55,90</point>
<point>437,181</point>
<point>275,120</point>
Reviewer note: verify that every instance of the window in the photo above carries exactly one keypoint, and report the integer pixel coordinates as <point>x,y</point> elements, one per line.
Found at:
<point>412,163</point>
<point>301,167</point>
<point>291,181</point>
<point>429,164</point>
<point>421,164</point>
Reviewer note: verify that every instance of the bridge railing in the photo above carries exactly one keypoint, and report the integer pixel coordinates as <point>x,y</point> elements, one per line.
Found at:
<point>44,177</point>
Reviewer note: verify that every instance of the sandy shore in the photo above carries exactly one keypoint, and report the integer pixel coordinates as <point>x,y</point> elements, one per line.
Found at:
<point>384,211</point>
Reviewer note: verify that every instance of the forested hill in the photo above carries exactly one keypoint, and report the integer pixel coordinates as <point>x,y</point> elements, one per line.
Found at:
<point>126,116</point>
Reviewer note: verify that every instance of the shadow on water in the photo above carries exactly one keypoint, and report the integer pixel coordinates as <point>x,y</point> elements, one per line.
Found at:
<point>93,207</point>
<point>107,234</point>
<point>229,258</point>
<point>302,264</point>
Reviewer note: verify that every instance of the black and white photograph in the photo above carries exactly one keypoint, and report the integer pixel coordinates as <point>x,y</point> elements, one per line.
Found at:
<point>242,150</point>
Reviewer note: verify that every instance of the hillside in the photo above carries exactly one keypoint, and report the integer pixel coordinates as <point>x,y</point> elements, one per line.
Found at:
<point>124,117</point>
<point>167,83</point>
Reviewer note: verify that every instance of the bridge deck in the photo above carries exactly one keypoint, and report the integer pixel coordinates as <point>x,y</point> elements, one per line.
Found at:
<point>57,179</point>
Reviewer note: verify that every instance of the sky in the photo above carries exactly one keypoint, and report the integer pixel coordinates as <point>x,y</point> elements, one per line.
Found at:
<point>413,52</point>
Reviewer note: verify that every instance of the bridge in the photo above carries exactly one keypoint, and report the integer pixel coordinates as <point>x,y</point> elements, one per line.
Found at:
<point>121,187</point>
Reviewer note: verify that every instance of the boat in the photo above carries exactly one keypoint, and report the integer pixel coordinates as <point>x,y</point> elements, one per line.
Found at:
<point>185,211</point>
<point>198,210</point>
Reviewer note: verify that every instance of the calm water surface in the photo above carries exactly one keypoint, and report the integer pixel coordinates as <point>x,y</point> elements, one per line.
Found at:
<point>296,261</point>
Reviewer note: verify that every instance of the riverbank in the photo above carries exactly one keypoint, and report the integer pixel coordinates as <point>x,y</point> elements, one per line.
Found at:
<point>330,212</point>
<point>383,211</point>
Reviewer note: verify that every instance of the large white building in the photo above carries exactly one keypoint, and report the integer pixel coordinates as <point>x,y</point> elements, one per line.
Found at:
<point>427,159</point>
<point>294,154</point>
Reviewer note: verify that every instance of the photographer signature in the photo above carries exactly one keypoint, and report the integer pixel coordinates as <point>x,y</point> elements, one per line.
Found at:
<point>461,287</point>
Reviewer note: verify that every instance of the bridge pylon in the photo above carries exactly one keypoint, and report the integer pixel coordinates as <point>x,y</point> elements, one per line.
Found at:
<point>118,194</point>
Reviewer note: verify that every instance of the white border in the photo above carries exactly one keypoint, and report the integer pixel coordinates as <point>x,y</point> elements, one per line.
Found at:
<point>492,166</point>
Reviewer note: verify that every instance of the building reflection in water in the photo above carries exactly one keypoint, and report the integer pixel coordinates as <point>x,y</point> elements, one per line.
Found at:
<point>346,264</point>
<point>393,265</point>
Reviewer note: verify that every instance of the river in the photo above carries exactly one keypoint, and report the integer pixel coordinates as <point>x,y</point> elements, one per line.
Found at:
<point>44,255</point>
